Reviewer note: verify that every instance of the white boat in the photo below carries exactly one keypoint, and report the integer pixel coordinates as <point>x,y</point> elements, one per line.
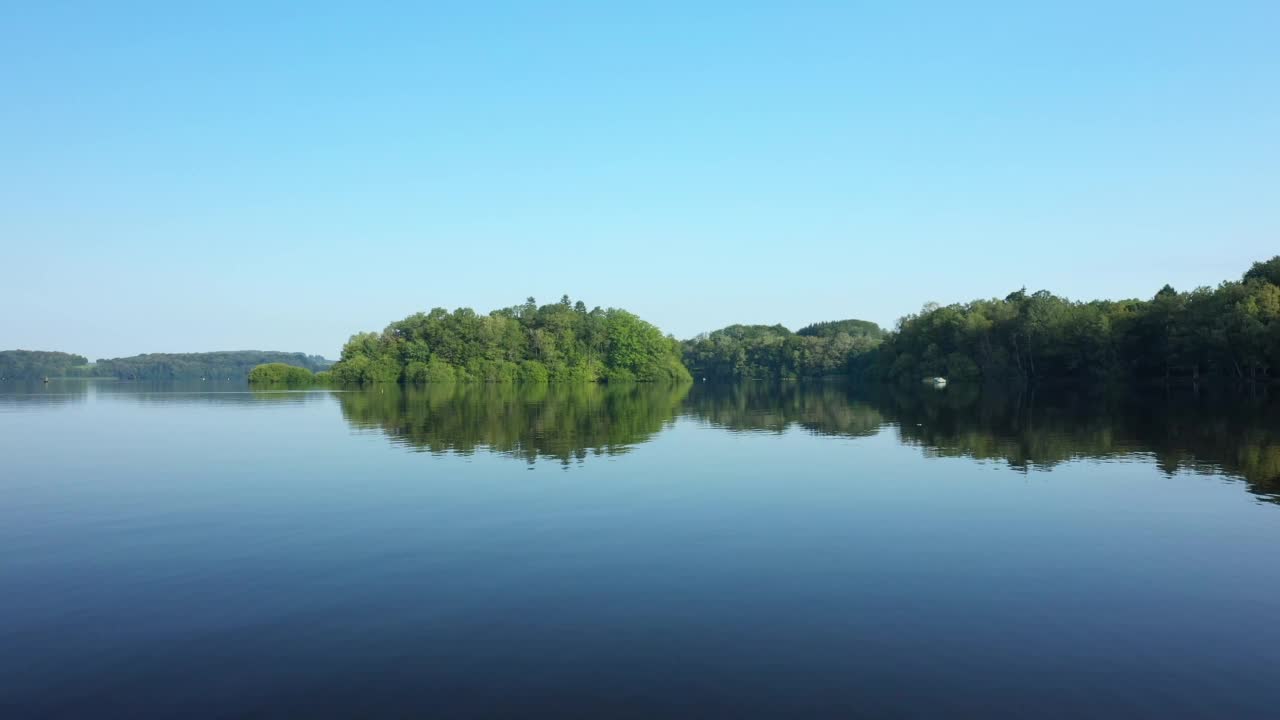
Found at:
<point>936,381</point>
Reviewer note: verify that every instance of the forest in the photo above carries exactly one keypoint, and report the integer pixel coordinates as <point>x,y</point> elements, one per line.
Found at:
<point>559,342</point>
<point>1231,331</point>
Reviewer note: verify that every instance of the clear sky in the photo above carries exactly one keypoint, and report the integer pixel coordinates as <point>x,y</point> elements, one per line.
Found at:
<point>279,176</point>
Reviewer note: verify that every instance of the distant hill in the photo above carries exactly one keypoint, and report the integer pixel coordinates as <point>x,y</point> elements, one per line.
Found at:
<point>234,364</point>
<point>36,364</point>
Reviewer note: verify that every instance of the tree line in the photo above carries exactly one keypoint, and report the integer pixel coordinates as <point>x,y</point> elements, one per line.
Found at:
<point>1231,331</point>
<point>235,365</point>
<point>559,342</point>
<point>772,352</point>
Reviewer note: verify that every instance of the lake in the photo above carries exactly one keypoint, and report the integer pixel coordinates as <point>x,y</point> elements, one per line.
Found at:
<point>202,550</point>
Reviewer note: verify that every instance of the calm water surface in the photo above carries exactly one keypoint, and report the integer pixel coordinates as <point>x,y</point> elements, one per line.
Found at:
<point>747,551</point>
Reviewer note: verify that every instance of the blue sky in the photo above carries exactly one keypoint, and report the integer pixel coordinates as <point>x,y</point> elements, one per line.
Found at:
<point>279,176</point>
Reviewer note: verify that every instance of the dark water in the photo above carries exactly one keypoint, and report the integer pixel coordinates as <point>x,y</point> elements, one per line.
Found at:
<point>748,551</point>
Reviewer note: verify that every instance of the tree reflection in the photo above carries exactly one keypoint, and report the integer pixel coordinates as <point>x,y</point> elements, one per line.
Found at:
<point>1209,433</point>
<point>820,408</point>
<point>15,393</point>
<point>563,421</point>
<point>1033,430</point>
